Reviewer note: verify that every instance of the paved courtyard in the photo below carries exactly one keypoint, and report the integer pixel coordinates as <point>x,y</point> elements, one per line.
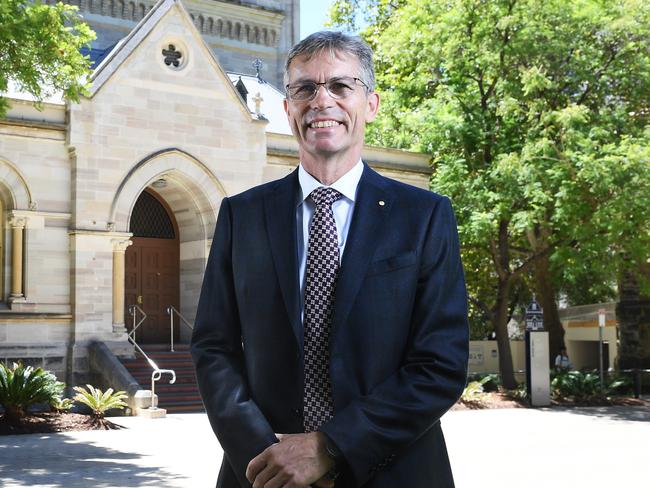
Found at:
<point>585,447</point>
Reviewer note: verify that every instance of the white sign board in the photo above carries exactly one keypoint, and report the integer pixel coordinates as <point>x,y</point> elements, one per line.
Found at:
<point>602,316</point>
<point>540,382</point>
<point>476,356</point>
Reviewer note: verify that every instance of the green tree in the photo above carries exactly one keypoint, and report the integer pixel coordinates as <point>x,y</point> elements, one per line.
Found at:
<point>536,116</point>
<point>41,49</point>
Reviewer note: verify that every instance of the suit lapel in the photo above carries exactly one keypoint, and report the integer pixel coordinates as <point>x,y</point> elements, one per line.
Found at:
<point>280,211</point>
<point>371,209</point>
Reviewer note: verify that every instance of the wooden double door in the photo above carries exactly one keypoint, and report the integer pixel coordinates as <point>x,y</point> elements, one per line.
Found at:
<point>152,273</point>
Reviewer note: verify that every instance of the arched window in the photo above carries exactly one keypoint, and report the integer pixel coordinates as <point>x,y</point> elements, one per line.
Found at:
<point>150,218</point>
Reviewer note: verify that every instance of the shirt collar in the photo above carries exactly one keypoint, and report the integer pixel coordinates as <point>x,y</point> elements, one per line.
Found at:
<point>346,184</point>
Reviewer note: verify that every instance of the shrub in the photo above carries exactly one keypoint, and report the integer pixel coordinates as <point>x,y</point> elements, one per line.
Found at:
<point>63,405</point>
<point>474,389</point>
<point>23,386</point>
<point>584,387</point>
<point>520,393</point>
<point>489,381</point>
<point>100,402</point>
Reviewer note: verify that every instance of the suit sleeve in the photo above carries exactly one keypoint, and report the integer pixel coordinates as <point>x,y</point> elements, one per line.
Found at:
<point>373,429</point>
<point>238,423</point>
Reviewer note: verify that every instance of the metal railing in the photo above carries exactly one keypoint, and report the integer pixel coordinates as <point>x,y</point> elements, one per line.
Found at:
<point>157,372</point>
<point>170,311</point>
<point>637,379</point>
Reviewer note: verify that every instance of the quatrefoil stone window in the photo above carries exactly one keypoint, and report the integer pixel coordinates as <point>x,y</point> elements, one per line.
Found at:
<point>172,56</point>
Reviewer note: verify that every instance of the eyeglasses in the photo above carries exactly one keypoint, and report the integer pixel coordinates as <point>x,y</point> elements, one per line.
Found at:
<point>337,88</point>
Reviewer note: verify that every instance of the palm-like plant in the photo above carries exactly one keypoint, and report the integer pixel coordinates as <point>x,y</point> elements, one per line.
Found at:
<point>584,387</point>
<point>64,405</point>
<point>22,386</point>
<point>100,402</point>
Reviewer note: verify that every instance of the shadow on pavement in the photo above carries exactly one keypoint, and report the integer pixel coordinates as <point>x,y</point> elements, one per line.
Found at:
<point>628,413</point>
<point>59,461</point>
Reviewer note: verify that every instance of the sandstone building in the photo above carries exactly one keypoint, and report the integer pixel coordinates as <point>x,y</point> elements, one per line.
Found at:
<point>112,202</point>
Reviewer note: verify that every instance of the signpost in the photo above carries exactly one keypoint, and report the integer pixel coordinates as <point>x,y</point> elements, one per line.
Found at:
<point>601,325</point>
<point>537,356</point>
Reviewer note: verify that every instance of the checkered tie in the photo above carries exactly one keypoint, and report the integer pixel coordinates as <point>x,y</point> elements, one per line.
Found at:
<point>322,271</point>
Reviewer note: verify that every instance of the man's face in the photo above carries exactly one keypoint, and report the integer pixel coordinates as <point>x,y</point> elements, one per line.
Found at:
<point>326,127</point>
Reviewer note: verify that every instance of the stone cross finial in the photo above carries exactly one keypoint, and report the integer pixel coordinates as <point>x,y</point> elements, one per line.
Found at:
<point>258,103</point>
<point>257,64</point>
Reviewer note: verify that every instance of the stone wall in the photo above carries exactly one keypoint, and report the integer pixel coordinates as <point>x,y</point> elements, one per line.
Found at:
<point>147,121</point>
<point>238,33</point>
<point>70,175</point>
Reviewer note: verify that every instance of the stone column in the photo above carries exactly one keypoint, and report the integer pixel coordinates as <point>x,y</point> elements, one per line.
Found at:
<point>119,249</point>
<point>17,232</point>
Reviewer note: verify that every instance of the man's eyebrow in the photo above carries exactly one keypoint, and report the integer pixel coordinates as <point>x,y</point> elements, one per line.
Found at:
<point>302,80</point>
<point>309,80</point>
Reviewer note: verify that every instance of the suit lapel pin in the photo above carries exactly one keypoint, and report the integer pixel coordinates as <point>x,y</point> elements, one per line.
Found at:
<point>381,203</point>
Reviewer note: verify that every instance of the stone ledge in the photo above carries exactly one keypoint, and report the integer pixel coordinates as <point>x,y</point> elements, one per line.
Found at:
<point>21,315</point>
<point>151,413</point>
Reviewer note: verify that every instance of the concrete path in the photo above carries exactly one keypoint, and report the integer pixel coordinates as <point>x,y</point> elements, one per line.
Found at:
<point>558,448</point>
<point>178,451</point>
<point>550,448</point>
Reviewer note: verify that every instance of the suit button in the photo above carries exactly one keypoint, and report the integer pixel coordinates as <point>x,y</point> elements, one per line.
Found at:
<point>297,412</point>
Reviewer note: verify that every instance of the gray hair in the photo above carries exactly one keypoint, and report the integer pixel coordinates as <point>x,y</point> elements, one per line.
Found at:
<point>333,42</point>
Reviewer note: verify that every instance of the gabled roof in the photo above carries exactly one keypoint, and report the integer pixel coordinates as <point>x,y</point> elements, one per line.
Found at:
<point>97,55</point>
<point>271,106</point>
<point>111,62</point>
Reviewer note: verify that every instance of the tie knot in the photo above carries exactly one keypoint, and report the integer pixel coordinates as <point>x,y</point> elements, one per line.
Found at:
<point>324,196</point>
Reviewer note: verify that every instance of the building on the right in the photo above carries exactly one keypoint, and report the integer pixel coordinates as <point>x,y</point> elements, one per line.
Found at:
<point>582,337</point>
<point>625,337</point>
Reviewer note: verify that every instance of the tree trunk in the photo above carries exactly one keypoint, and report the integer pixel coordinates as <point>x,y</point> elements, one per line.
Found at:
<point>500,324</point>
<point>633,315</point>
<point>13,414</point>
<point>546,298</point>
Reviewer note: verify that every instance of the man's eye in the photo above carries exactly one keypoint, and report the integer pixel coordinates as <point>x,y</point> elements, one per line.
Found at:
<point>339,86</point>
<point>302,90</point>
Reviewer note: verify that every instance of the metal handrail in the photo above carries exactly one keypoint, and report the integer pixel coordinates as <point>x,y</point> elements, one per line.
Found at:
<point>637,384</point>
<point>157,372</point>
<point>170,311</point>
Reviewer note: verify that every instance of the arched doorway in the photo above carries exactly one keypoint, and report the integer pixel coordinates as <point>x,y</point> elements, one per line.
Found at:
<point>152,272</point>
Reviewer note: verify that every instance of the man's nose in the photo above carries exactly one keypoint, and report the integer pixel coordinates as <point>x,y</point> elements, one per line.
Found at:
<point>322,97</point>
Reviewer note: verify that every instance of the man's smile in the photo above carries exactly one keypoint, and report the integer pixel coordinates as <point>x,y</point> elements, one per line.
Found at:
<point>319,124</point>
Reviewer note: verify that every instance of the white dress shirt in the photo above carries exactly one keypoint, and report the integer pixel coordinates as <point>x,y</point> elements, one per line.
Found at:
<point>342,209</point>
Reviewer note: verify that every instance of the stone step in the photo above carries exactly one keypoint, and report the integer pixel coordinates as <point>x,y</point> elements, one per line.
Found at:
<point>185,407</point>
<point>183,395</point>
<point>166,364</point>
<point>163,347</point>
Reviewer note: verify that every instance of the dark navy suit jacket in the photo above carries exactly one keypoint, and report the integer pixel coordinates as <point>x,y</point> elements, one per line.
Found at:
<point>399,341</point>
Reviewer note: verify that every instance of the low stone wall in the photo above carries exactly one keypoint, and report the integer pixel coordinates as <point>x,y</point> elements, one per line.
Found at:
<point>109,372</point>
<point>39,340</point>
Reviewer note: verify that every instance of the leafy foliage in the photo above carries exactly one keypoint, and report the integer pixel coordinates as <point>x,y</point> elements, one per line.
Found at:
<point>536,115</point>
<point>475,388</point>
<point>348,13</point>
<point>100,402</point>
<point>584,387</point>
<point>40,49</point>
<point>520,393</point>
<point>489,381</point>
<point>23,386</point>
<point>63,405</point>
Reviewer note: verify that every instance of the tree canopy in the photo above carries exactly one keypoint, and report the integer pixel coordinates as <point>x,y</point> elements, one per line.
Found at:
<point>41,49</point>
<point>536,115</point>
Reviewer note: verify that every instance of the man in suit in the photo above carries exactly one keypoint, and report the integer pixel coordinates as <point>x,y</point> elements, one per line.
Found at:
<point>331,333</point>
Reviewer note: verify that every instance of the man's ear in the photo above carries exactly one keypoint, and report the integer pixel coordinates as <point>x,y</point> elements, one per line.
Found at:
<point>285,104</point>
<point>373,106</point>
